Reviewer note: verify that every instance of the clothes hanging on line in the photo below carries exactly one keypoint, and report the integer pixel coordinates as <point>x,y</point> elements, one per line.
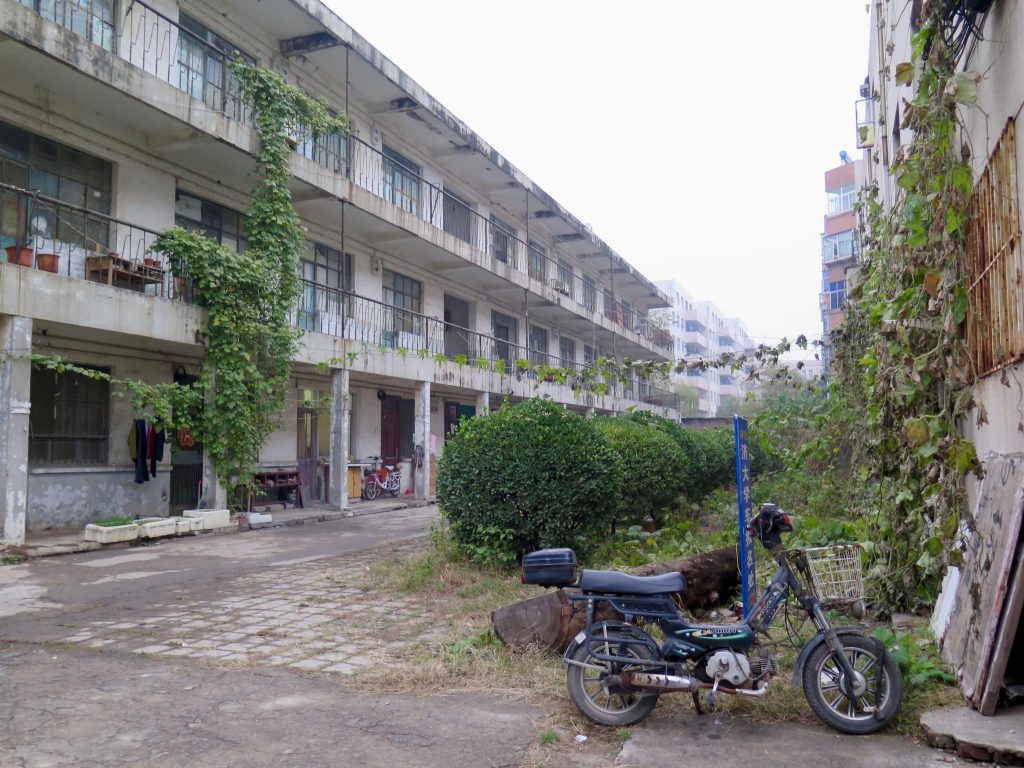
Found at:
<point>146,448</point>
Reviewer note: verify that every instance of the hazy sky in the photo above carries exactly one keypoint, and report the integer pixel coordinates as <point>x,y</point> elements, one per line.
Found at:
<point>693,140</point>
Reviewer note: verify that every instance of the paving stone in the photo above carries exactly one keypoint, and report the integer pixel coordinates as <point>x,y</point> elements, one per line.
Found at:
<point>342,668</point>
<point>309,664</point>
<point>154,649</point>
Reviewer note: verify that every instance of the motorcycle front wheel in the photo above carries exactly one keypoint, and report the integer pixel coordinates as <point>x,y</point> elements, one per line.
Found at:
<point>824,680</point>
<point>372,489</point>
<point>591,695</point>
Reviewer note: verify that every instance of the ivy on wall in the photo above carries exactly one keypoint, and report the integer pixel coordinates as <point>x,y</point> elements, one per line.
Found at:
<point>903,384</point>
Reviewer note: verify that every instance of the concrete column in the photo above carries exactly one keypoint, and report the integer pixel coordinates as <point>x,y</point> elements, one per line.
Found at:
<point>340,405</point>
<point>589,412</point>
<point>15,402</point>
<point>215,495</point>
<point>421,438</point>
<point>483,403</point>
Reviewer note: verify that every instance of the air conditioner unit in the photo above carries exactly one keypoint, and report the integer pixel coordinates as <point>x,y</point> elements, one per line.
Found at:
<point>559,286</point>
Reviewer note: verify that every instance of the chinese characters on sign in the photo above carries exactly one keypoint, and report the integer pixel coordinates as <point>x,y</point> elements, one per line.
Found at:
<point>749,581</point>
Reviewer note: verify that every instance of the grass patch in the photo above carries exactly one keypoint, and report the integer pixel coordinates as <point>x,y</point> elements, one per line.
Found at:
<point>111,522</point>
<point>548,736</point>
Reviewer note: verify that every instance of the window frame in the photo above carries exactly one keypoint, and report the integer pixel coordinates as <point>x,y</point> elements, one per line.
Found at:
<point>68,388</point>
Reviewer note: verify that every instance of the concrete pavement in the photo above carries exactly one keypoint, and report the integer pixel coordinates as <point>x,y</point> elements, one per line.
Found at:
<point>246,651</point>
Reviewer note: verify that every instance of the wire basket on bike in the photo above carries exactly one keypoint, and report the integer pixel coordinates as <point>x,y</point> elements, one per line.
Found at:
<point>836,575</point>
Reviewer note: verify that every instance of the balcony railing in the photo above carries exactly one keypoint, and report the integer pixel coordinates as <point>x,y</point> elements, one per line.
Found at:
<point>164,48</point>
<point>48,234</point>
<point>414,335</point>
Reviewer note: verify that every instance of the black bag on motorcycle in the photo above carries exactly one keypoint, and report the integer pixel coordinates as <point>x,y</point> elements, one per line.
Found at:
<point>550,568</point>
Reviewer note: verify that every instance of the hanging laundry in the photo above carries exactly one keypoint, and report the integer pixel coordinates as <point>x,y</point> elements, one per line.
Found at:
<point>137,445</point>
<point>154,447</point>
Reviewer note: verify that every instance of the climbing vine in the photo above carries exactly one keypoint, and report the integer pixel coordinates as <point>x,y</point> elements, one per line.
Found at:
<point>903,370</point>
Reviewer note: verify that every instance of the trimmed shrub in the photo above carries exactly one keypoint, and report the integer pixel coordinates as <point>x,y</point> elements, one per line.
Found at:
<point>528,476</point>
<point>693,478</point>
<point>653,468</point>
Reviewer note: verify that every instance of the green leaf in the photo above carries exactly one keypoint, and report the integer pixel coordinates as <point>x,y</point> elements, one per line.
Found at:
<point>960,305</point>
<point>963,88</point>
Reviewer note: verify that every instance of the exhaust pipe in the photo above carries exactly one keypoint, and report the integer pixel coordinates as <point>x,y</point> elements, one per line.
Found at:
<point>651,682</point>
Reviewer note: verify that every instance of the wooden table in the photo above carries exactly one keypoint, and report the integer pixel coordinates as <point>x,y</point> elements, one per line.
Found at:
<point>112,265</point>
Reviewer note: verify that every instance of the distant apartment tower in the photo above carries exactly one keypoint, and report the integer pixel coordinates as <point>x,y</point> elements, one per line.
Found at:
<point>701,332</point>
<point>839,248</point>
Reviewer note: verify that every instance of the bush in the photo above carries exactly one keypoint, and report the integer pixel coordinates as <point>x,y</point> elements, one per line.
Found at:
<point>654,468</point>
<point>528,476</point>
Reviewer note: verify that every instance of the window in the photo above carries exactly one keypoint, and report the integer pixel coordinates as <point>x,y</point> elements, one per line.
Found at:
<point>218,223</point>
<point>203,68</point>
<point>566,278</point>
<point>92,19</point>
<point>538,343</point>
<point>589,292</point>
<point>842,199</point>
<point>538,261</point>
<point>401,180</point>
<point>839,246</point>
<point>693,326</point>
<point>506,330</point>
<point>458,217</point>
<point>70,418</point>
<point>503,239</point>
<point>836,292</point>
<point>589,355</point>
<point>56,171</point>
<point>405,295</point>
<point>567,350</point>
<point>995,320</point>
<point>328,150</point>
<point>325,273</point>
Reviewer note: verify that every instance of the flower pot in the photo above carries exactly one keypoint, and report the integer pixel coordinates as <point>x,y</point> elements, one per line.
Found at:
<point>111,534</point>
<point>20,255</point>
<point>154,263</point>
<point>48,262</point>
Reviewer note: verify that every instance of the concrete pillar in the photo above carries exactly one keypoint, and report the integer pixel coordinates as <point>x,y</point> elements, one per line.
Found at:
<point>421,438</point>
<point>15,402</point>
<point>589,412</point>
<point>483,403</point>
<point>215,495</point>
<point>340,405</point>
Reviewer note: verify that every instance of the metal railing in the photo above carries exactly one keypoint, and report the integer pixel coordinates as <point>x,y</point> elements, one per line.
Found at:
<point>413,335</point>
<point>176,55</point>
<point>386,177</point>
<point>54,236</point>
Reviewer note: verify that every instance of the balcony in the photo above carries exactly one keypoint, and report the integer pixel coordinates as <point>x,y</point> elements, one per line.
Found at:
<point>163,48</point>
<point>51,236</point>
<point>373,323</point>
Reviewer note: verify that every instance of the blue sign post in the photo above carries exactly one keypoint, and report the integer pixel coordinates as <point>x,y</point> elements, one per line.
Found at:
<point>748,578</point>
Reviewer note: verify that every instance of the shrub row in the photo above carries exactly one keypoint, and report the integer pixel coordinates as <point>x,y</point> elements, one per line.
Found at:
<point>537,475</point>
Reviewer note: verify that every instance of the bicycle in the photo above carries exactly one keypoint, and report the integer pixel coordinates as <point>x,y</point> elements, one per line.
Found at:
<point>377,479</point>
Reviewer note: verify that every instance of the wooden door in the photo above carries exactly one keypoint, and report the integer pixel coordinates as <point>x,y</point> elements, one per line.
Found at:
<point>306,451</point>
<point>389,430</point>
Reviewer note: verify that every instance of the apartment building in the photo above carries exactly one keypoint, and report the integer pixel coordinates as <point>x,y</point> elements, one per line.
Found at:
<point>432,266</point>
<point>701,332</point>
<point>977,617</point>
<point>839,245</point>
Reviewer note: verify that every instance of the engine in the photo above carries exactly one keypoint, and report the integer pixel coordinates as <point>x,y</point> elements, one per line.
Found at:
<point>733,668</point>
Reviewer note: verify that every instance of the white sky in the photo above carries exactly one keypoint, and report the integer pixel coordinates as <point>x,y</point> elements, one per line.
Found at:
<point>694,140</point>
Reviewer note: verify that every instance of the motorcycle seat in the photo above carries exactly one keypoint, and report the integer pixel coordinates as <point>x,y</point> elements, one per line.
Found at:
<point>623,584</point>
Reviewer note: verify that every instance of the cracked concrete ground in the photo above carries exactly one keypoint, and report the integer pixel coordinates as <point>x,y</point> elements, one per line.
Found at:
<point>247,651</point>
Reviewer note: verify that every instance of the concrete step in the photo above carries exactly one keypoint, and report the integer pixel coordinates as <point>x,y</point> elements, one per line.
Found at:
<point>998,739</point>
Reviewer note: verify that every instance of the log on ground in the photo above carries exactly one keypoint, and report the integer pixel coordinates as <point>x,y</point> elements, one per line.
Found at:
<point>552,620</point>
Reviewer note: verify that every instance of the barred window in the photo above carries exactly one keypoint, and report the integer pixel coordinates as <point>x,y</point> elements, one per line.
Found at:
<point>70,418</point>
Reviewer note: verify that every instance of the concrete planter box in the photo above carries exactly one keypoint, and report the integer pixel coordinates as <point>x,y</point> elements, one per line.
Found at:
<point>212,518</point>
<point>151,529</point>
<point>104,534</point>
<point>258,518</point>
<point>183,525</point>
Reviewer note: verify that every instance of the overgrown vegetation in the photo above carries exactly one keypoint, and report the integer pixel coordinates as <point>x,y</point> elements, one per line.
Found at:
<point>903,383</point>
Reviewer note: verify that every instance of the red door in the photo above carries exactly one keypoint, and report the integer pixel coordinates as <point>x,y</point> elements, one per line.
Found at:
<point>389,432</point>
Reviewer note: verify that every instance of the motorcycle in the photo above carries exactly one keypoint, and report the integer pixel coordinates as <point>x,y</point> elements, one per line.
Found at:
<point>616,670</point>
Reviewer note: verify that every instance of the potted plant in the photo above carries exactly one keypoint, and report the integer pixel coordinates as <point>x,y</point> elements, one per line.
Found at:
<point>48,262</point>
<point>20,255</point>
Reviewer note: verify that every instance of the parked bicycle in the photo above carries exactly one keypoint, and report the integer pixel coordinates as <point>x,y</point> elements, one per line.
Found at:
<point>378,479</point>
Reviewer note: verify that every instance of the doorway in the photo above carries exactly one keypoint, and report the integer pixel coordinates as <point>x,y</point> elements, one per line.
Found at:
<point>456,319</point>
<point>453,414</point>
<point>390,429</point>
<point>186,460</point>
<point>310,453</point>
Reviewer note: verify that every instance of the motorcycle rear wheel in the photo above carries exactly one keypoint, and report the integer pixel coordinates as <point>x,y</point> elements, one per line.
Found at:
<point>592,697</point>
<point>821,683</point>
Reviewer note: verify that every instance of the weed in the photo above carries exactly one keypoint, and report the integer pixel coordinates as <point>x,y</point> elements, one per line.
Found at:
<point>623,735</point>
<point>548,736</point>
<point>11,559</point>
